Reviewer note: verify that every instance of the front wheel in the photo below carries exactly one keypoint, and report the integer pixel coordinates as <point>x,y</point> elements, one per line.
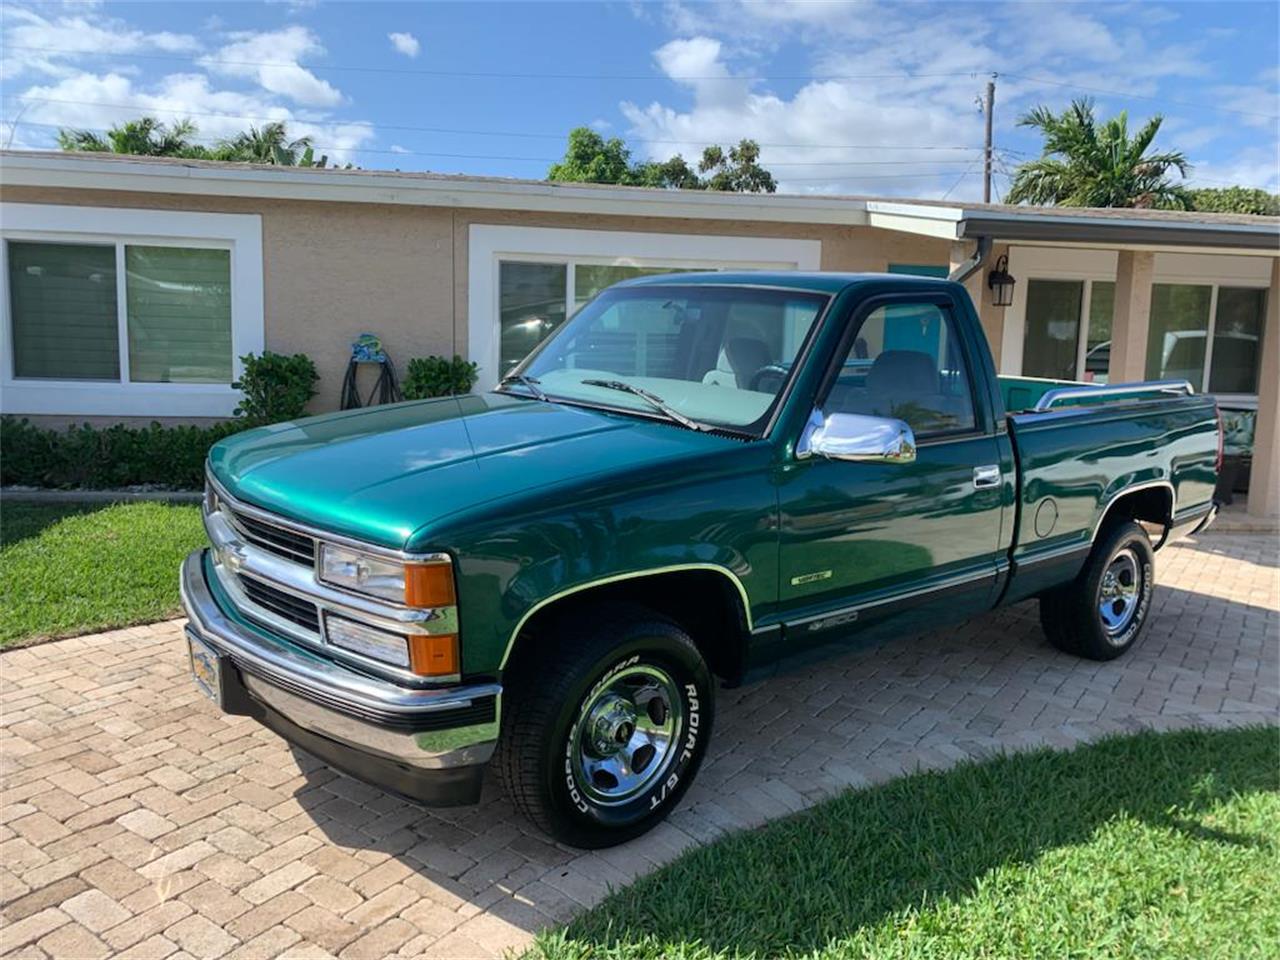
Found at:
<point>604,735</point>
<point>1100,614</point>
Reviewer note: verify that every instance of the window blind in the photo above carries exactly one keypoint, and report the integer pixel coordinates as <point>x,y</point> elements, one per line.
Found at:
<point>179,309</point>
<point>62,299</point>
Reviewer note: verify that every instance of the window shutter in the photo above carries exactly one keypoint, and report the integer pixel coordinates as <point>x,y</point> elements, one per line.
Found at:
<point>179,309</point>
<point>62,299</point>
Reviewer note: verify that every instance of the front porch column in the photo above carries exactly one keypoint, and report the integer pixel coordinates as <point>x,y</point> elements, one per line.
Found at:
<point>991,316</point>
<point>1134,270</point>
<point>1264,479</point>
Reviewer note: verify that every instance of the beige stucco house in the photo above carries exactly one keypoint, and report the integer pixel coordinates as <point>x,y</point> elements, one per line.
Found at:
<point>219,260</point>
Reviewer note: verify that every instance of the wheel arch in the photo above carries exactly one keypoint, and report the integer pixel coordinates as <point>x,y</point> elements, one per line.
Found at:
<point>1151,501</point>
<point>720,628</point>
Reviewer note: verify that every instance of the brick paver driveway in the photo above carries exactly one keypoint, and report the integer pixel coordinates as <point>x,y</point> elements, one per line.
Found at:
<point>137,820</point>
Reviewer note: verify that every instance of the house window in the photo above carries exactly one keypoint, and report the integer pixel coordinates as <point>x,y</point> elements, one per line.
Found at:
<point>127,312</point>
<point>526,281</point>
<point>62,301</point>
<point>1052,337</point>
<point>65,307</point>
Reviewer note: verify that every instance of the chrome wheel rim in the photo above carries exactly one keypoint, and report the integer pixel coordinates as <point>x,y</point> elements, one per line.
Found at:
<point>625,736</point>
<point>1119,592</point>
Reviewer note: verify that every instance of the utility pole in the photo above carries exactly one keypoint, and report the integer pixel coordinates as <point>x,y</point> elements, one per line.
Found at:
<point>989,109</point>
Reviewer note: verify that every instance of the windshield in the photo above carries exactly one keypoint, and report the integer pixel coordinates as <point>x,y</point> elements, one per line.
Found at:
<point>713,355</point>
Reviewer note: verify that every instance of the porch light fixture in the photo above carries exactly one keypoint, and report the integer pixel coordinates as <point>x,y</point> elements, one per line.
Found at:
<point>1000,283</point>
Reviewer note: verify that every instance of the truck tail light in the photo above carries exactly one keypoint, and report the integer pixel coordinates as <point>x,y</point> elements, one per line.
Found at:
<point>434,656</point>
<point>1217,463</point>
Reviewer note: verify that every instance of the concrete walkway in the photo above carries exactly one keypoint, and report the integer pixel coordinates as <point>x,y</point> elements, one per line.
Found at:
<point>135,820</point>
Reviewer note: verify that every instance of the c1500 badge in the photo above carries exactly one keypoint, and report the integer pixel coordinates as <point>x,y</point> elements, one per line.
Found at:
<point>839,620</point>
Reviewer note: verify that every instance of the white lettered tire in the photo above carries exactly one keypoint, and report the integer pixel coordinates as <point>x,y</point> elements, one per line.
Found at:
<point>606,718</point>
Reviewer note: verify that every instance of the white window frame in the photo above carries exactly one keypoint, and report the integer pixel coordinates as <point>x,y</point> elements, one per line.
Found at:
<point>241,234</point>
<point>1091,266</point>
<point>489,245</point>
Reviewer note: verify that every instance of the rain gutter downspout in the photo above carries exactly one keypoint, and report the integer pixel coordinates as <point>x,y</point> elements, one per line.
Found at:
<point>967,268</point>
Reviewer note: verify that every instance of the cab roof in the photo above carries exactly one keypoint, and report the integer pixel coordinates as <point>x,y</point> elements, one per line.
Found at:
<point>812,282</point>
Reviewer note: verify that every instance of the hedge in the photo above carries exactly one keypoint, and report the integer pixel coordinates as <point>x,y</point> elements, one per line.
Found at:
<point>110,458</point>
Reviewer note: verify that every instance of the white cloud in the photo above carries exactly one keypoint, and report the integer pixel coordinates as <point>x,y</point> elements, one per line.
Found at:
<point>91,88</point>
<point>273,60</point>
<point>42,45</point>
<point>86,101</point>
<point>405,43</point>
<point>1252,168</point>
<point>894,78</point>
<point>396,148</point>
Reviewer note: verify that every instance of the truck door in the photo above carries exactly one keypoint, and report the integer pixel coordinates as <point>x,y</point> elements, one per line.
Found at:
<point>904,544</point>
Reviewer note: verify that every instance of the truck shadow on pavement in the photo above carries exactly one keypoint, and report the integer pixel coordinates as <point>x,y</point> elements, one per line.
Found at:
<point>990,685</point>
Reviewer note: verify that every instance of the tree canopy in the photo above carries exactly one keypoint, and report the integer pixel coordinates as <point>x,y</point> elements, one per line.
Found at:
<point>149,137</point>
<point>1236,200</point>
<point>590,158</point>
<point>1086,163</point>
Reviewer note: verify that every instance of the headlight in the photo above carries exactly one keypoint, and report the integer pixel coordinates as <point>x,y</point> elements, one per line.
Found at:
<point>413,584</point>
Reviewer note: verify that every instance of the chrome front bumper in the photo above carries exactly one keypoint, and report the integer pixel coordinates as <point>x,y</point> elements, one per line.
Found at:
<point>428,744</point>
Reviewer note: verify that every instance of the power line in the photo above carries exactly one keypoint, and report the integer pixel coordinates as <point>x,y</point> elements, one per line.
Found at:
<point>1138,96</point>
<point>960,179</point>
<point>501,75</point>
<point>492,75</point>
<point>448,130</point>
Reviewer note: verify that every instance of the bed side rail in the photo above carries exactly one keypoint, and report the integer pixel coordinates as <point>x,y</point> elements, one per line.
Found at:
<point>1103,393</point>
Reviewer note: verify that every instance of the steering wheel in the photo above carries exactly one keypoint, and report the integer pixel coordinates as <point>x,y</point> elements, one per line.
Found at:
<point>771,369</point>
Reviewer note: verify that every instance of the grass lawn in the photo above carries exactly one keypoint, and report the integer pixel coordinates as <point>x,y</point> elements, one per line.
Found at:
<point>75,568</point>
<point>1147,846</point>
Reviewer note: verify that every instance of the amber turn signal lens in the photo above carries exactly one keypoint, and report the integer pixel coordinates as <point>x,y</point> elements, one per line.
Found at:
<point>429,585</point>
<point>434,656</point>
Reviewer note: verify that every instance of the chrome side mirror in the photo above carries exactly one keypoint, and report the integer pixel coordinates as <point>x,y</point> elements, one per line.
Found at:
<point>852,436</point>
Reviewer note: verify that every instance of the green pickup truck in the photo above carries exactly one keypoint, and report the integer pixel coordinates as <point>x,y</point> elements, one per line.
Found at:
<point>695,479</point>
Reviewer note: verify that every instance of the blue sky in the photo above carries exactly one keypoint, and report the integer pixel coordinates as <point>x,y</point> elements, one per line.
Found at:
<point>848,96</point>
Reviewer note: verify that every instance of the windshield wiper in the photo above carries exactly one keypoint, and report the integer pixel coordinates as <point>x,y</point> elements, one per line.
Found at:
<point>529,383</point>
<point>656,401</point>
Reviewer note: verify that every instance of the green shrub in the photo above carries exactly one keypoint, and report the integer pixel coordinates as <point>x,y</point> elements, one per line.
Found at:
<point>117,456</point>
<point>438,377</point>
<point>276,387</point>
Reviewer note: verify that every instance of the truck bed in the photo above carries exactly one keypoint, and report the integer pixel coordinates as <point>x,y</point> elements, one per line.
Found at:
<point>1074,460</point>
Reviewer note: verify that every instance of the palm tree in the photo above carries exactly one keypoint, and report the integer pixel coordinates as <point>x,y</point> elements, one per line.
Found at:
<point>149,137</point>
<point>1085,164</point>
<point>270,144</point>
<point>145,137</point>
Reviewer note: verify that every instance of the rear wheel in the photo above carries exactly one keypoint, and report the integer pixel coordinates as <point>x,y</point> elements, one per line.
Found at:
<point>1100,614</point>
<point>602,737</point>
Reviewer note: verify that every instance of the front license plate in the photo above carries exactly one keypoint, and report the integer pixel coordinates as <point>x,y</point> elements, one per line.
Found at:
<point>206,669</point>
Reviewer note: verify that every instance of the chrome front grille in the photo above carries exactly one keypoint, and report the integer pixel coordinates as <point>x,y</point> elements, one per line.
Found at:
<point>267,568</point>
<point>294,609</point>
<point>288,544</point>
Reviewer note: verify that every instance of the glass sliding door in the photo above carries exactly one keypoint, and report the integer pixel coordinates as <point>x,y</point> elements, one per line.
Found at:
<point>1052,338</point>
<point>1178,332</point>
<point>1237,340</point>
<point>1097,351</point>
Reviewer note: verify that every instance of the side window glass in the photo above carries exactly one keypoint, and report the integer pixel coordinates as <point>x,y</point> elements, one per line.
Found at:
<point>905,362</point>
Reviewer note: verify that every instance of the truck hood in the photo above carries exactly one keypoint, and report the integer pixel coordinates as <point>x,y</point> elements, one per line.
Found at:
<point>378,475</point>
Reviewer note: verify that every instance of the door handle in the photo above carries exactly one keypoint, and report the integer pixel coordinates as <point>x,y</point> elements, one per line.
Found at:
<point>988,476</point>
